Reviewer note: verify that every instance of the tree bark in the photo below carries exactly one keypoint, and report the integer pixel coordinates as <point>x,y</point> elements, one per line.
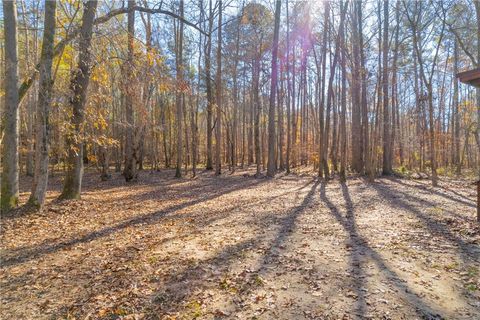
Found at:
<point>79,85</point>
<point>387,146</point>
<point>343,104</point>
<point>131,155</point>
<point>179,94</point>
<point>42,127</point>
<point>287,62</point>
<point>208,84</point>
<point>271,165</point>
<point>218,80</point>
<point>477,135</point>
<point>455,115</point>
<point>356,131</point>
<point>9,184</point>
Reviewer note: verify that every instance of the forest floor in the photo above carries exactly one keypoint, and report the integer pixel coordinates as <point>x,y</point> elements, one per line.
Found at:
<point>237,247</point>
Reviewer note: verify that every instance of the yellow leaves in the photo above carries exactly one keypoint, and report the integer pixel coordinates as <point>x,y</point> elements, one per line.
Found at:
<point>100,124</point>
<point>256,14</point>
<point>163,87</point>
<point>100,75</point>
<point>104,141</point>
<point>63,65</point>
<point>73,3</point>
<point>92,158</point>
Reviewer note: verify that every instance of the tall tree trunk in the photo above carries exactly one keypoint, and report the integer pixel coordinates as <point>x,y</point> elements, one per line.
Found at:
<point>235,101</point>
<point>281,128</point>
<point>294,110</point>
<point>321,163</point>
<point>29,165</point>
<point>356,131</point>
<point>9,188</point>
<point>179,95</point>
<point>287,62</point>
<point>218,80</point>
<point>326,133</point>
<point>387,146</point>
<point>433,160</point>
<point>455,115</point>
<point>394,91</point>
<point>477,135</point>
<point>42,128</point>
<point>363,86</point>
<point>194,110</point>
<point>257,108</point>
<point>343,104</point>
<point>271,166</point>
<point>131,152</point>
<point>79,85</point>
<point>208,84</point>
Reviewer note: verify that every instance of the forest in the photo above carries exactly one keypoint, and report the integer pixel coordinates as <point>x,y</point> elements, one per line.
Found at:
<point>240,159</point>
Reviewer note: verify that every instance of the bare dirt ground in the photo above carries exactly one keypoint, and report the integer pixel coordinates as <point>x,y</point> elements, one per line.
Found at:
<point>236,247</point>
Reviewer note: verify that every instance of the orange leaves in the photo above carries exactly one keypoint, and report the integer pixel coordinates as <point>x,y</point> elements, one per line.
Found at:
<point>183,86</point>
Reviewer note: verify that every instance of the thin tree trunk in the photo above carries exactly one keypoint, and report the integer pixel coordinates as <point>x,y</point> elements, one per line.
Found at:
<point>179,96</point>
<point>29,165</point>
<point>387,146</point>
<point>235,101</point>
<point>208,84</point>
<point>218,80</point>
<point>343,103</point>
<point>257,108</point>
<point>287,62</point>
<point>130,169</point>
<point>42,128</point>
<point>364,104</point>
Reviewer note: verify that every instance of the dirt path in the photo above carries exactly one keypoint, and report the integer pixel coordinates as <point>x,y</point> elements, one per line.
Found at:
<point>236,247</point>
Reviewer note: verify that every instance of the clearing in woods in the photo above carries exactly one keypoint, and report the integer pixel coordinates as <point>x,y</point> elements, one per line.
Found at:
<point>293,247</point>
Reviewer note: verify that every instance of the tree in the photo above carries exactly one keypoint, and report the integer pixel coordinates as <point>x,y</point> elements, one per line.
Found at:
<point>356,132</point>
<point>455,114</point>
<point>178,94</point>
<point>415,21</point>
<point>343,103</point>
<point>42,128</point>
<point>208,85</point>
<point>131,150</point>
<point>218,80</point>
<point>387,146</point>
<point>72,185</point>
<point>9,184</point>
<point>325,135</point>
<point>477,136</point>
<point>287,63</point>
<point>271,165</point>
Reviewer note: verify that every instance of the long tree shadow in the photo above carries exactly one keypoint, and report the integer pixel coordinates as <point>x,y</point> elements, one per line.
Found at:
<point>247,204</point>
<point>180,285</point>
<point>93,185</point>
<point>356,245</point>
<point>287,227</point>
<point>25,254</point>
<point>360,247</point>
<point>173,292</point>
<point>468,252</point>
<point>465,201</point>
